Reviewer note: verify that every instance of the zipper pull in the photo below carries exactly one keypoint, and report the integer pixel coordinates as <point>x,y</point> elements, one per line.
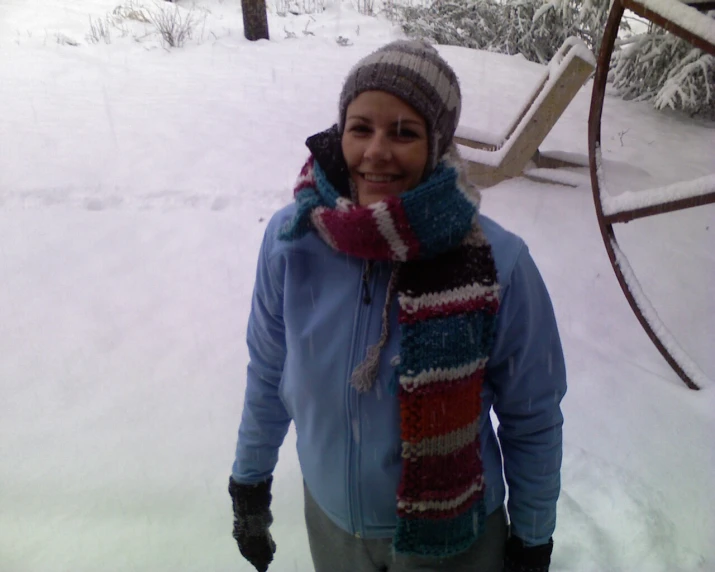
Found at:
<point>366,299</point>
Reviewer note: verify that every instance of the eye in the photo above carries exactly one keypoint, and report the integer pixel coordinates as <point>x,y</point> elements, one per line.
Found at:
<point>360,129</point>
<point>404,133</point>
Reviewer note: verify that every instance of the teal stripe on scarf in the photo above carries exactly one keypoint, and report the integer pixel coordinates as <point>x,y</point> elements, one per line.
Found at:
<point>323,194</point>
<point>327,191</point>
<point>440,538</point>
<point>446,342</point>
<point>440,222</point>
<point>300,225</point>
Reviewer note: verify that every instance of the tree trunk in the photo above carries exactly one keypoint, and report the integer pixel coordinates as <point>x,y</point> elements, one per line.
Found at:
<point>255,19</point>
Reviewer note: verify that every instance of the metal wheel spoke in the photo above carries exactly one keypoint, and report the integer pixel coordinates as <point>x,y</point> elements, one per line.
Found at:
<point>698,29</point>
<point>633,205</point>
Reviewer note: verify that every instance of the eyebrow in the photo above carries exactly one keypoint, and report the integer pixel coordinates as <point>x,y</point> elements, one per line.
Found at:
<point>399,122</point>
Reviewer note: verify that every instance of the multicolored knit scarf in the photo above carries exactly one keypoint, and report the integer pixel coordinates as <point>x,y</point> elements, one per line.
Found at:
<point>448,299</point>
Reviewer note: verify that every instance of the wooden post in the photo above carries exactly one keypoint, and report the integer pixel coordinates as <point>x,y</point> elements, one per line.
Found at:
<point>255,20</point>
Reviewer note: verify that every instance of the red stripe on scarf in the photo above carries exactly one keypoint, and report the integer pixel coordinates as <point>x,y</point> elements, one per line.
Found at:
<point>476,377</point>
<point>303,185</point>
<point>455,308</point>
<point>440,514</point>
<point>402,225</point>
<point>439,408</point>
<point>341,228</point>
<point>305,178</point>
<point>446,477</point>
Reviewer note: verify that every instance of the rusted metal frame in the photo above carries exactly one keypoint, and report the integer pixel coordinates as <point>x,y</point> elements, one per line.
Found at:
<point>672,27</point>
<point>677,205</point>
<point>594,143</point>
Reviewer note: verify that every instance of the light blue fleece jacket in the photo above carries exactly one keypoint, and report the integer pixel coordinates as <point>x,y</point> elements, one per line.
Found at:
<point>310,326</point>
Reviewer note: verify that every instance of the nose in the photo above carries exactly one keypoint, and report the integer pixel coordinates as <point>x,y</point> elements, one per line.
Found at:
<point>378,148</point>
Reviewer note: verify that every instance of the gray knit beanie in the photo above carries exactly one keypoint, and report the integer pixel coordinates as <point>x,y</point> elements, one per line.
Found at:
<point>415,72</point>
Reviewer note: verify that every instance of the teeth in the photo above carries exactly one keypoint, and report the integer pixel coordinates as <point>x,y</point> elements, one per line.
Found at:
<point>379,178</point>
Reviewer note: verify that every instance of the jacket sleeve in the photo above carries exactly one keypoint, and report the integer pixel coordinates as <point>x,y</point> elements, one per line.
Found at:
<point>528,376</point>
<point>265,421</point>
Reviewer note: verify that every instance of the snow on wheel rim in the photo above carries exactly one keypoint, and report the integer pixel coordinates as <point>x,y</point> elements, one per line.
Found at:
<point>686,22</point>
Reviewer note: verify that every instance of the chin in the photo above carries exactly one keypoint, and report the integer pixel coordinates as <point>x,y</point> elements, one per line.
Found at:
<point>367,197</point>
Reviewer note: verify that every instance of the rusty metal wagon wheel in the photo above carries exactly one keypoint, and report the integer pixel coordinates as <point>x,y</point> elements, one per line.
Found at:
<point>684,20</point>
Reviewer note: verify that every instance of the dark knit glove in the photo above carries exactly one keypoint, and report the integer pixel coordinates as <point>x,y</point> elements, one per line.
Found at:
<point>251,519</point>
<point>521,558</point>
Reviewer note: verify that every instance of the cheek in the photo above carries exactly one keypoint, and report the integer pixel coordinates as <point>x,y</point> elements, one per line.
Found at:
<point>416,161</point>
<point>351,152</point>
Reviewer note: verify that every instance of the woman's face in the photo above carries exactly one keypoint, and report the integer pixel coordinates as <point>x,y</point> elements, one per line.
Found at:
<point>385,146</point>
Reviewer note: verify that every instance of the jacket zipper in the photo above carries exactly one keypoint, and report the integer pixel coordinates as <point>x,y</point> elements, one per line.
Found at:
<point>366,275</point>
<point>360,329</point>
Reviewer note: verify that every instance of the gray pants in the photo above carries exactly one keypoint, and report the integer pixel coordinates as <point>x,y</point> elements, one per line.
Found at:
<point>334,550</point>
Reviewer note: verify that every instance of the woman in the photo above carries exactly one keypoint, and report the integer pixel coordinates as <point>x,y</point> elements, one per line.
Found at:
<point>388,318</point>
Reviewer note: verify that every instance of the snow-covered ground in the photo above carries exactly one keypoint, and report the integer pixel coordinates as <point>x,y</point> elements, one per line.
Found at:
<point>135,185</point>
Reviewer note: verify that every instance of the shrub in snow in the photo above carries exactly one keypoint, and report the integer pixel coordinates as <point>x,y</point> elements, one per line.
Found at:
<point>298,7</point>
<point>534,28</point>
<point>173,27</point>
<point>660,67</point>
<point>586,18</point>
<point>99,31</point>
<point>655,66</point>
<point>65,40</point>
<point>366,7</point>
<point>131,11</point>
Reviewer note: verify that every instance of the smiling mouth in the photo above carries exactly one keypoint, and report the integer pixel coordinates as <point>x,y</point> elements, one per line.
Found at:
<point>373,178</point>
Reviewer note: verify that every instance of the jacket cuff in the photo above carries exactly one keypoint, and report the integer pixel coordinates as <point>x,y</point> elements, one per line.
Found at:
<point>250,499</point>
